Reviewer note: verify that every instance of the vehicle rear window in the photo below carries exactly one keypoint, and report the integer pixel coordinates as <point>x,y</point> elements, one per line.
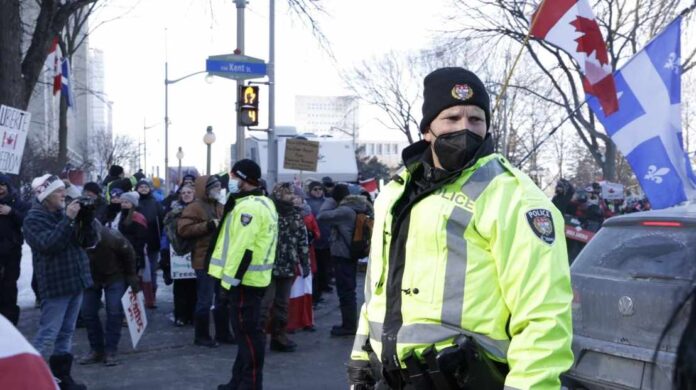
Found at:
<point>641,252</point>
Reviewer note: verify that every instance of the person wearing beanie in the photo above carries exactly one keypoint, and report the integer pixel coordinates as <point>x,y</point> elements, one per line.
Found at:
<point>241,256</point>
<point>62,271</point>
<point>315,199</point>
<point>464,243</point>
<point>116,172</point>
<point>198,222</point>
<point>339,213</point>
<point>154,214</point>
<point>12,213</point>
<point>93,191</point>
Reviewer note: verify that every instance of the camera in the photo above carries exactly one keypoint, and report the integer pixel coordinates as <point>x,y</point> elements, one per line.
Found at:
<point>87,207</point>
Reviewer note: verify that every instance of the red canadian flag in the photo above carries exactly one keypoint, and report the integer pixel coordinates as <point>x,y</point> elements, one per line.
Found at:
<point>571,26</point>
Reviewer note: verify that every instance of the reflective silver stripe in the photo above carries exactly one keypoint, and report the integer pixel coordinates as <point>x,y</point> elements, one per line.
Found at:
<point>426,334</point>
<point>226,242</point>
<point>261,267</point>
<point>368,282</point>
<point>232,281</point>
<point>360,341</point>
<point>455,272</point>
<point>376,330</point>
<point>218,262</point>
<point>510,388</point>
<point>268,253</point>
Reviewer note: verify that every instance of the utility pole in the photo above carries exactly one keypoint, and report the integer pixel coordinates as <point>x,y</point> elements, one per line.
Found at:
<point>272,171</point>
<point>240,147</point>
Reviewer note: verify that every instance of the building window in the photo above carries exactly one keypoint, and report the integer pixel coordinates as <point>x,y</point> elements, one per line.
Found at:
<point>379,149</point>
<point>370,149</point>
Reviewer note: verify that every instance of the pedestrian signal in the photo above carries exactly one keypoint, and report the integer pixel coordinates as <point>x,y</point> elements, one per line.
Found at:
<point>248,105</point>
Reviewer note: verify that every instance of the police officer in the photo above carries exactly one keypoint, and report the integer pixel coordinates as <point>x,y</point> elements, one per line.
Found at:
<point>468,285</point>
<point>243,259</point>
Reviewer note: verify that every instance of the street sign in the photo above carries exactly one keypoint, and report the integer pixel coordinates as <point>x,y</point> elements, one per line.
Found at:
<point>301,154</point>
<point>237,67</point>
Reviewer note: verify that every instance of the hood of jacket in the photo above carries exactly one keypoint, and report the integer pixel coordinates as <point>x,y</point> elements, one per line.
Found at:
<point>200,188</point>
<point>358,203</point>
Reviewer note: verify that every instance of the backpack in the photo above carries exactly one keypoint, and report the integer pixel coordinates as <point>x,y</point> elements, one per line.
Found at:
<point>181,246</point>
<point>360,244</point>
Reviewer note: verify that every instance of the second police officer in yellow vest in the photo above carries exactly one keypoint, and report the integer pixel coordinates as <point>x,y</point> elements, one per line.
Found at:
<point>468,282</point>
<point>243,259</point>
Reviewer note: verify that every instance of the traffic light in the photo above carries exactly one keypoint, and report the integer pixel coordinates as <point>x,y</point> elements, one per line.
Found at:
<point>248,105</point>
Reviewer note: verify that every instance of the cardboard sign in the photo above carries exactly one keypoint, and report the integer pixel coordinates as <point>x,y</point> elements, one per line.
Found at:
<point>181,266</point>
<point>134,308</point>
<point>14,126</point>
<point>301,154</point>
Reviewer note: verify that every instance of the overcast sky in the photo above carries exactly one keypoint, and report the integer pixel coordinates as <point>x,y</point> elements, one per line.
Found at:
<point>135,46</point>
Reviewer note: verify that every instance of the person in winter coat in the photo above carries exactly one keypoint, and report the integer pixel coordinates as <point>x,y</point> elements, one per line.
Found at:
<point>57,239</point>
<point>315,199</point>
<point>133,226</point>
<point>116,175</point>
<point>12,212</point>
<point>112,265</point>
<point>154,214</point>
<point>339,213</point>
<point>184,290</point>
<point>199,221</point>
<point>292,258</point>
<point>187,179</point>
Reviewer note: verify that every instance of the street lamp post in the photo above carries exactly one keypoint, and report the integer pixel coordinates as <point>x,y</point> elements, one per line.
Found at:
<point>208,139</point>
<point>180,156</point>
<point>166,114</point>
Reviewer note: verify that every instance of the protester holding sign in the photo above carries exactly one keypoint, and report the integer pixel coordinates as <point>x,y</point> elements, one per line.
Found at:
<point>112,263</point>
<point>12,212</point>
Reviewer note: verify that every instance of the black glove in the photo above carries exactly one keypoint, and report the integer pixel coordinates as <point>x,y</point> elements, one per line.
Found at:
<point>306,269</point>
<point>360,375</point>
<point>134,283</point>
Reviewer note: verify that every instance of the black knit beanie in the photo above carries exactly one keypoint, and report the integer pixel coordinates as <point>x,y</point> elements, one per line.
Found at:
<point>92,187</point>
<point>115,170</point>
<point>248,171</point>
<point>448,87</point>
<point>211,181</point>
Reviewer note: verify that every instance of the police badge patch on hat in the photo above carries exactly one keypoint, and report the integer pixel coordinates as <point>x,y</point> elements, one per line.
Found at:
<point>246,219</point>
<point>541,222</point>
<point>462,91</point>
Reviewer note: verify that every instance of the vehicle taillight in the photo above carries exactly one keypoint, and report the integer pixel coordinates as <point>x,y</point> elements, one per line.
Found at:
<point>661,223</point>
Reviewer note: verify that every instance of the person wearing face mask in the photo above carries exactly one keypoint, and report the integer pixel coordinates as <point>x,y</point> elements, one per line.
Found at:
<point>468,284</point>
<point>199,221</point>
<point>242,256</point>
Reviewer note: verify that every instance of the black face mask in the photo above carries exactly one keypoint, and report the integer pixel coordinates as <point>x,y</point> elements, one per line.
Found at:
<point>455,150</point>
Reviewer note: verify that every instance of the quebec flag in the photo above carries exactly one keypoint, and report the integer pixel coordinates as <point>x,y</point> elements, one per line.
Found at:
<point>647,126</point>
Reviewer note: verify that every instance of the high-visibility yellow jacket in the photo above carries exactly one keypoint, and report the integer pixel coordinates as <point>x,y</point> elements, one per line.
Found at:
<point>485,256</point>
<point>246,248</point>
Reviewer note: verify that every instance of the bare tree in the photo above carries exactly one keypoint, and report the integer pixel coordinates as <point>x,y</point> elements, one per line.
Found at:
<point>20,71</point>
<point>391,84</point>
<point>108,151</point>
<point>627,25</point>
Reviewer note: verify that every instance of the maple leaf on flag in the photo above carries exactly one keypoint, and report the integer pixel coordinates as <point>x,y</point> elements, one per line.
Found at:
<point>592,40</point>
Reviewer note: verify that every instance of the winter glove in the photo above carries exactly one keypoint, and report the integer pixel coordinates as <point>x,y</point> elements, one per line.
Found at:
<point>134,283</point>
<point>360,375</point>
<point>305,270</point>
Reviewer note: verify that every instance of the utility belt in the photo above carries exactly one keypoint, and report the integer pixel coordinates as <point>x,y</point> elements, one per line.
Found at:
<point>463,366</point>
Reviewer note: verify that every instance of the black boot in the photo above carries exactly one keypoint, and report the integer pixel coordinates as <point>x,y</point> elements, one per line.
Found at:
<point>222,326</point>
<point>202,329</point>
<point>349,315</point>
<point>61,366</point>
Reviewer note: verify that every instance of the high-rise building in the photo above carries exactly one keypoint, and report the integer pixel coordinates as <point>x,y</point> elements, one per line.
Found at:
<point>327,115</point>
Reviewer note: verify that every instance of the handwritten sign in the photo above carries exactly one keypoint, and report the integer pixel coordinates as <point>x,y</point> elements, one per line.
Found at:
<point>134,307</point>
<point>301,154</point>
<point>181,266</point>
<point>14,126</point>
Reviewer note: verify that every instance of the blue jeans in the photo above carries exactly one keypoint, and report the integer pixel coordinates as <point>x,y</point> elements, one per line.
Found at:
<point>99,340</point>
<point>205,286</point>
<point>57,323</point>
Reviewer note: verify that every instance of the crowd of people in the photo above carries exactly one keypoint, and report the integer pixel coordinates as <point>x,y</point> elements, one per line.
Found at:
<point>90,244</point>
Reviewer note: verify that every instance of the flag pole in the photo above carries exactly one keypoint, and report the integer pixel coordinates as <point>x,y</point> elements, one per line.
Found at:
<point>517,58</point>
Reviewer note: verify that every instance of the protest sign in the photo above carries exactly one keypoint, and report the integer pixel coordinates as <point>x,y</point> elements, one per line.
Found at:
<point>134,308</point>
<point>14,126</point>
<point>181,266</point>
<point>301,154</point>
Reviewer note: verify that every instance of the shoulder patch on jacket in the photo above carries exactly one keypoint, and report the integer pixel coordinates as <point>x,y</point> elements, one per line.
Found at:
<point>541,223</point>
<point>246,219</point>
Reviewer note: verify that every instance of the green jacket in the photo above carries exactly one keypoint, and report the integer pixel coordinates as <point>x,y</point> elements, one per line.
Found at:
<point>246,248</point>
<point>484,256</point>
